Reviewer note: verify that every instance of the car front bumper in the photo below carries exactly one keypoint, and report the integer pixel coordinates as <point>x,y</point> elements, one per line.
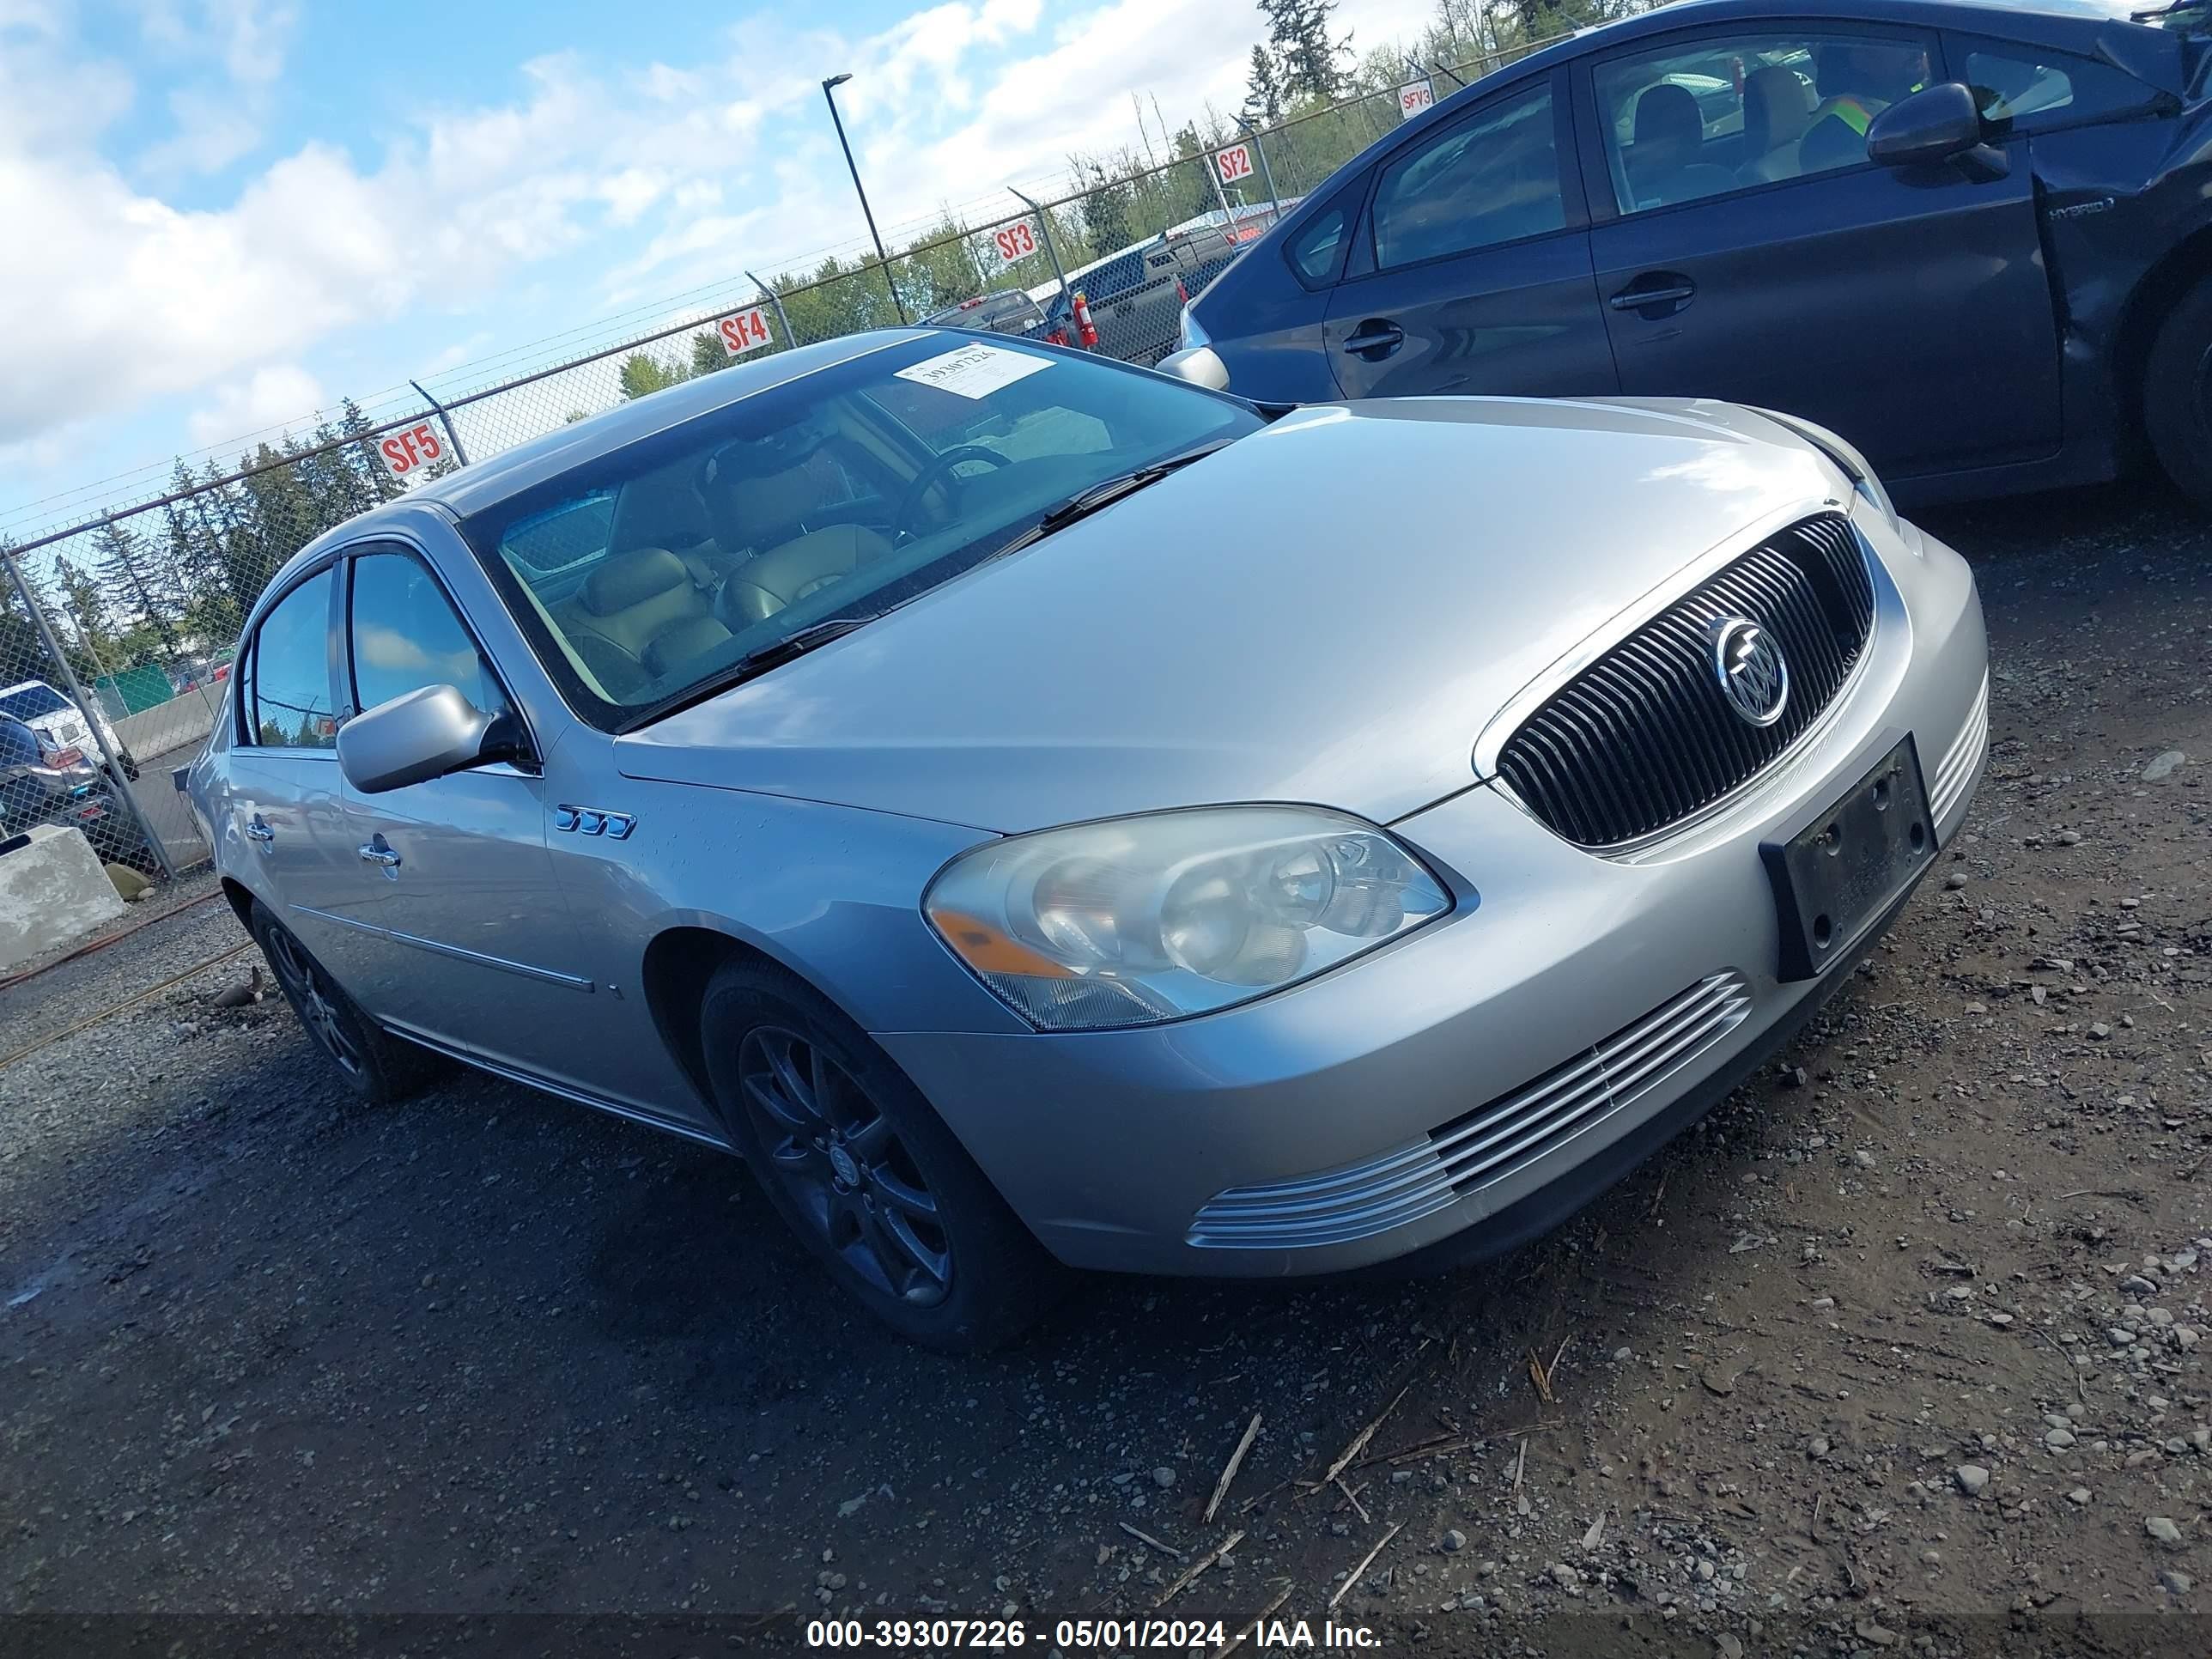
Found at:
<point>1471,1084</point>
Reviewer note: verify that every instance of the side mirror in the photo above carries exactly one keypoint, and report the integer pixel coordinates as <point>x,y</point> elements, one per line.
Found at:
<point>1937,124</point>
<point>1199,365</point>
<point>422,735</point>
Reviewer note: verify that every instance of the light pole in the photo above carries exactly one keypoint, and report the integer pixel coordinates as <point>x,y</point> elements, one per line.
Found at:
<point>829,95</point>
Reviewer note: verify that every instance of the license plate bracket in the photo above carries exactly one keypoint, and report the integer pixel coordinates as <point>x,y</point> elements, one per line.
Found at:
<point>1837,867</point>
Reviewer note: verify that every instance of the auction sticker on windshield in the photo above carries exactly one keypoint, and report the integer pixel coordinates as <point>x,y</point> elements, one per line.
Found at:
<point>974,371</point>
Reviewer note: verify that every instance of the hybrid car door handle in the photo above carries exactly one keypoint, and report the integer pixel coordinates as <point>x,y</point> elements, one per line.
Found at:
<point>259,830</point>
<point>1376,339</point>
<point>1659,288</point>
<point>378,851</point>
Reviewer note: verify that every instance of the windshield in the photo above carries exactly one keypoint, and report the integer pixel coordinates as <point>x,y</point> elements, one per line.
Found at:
<point>27,702</point>
<point>650,570</point>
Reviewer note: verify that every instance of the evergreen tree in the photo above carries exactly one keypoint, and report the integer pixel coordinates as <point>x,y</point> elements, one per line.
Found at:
<point>85,608</point>
<point>368,465</point>
<point>1301,34</point>
<point>1263,88</point>
<point>641,374</point>
<point>1105,212</point>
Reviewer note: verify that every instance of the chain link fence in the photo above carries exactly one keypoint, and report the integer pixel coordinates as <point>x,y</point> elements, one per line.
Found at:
<point>116,631</point>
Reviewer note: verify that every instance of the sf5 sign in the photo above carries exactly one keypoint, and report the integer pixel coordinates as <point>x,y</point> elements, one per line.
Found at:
<point>742,332</point>
<point>1233,164</point>
<point>416,447</point>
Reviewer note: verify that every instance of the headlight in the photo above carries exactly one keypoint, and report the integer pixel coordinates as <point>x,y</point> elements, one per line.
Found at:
<point>1189,334</point>
<point>1133,921</point>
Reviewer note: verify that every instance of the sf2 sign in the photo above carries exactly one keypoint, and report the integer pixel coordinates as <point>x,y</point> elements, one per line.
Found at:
<point>1234,163</point>
<point>1415,98</point>
<point>742,332</point>
<point>1015,241</point>
<point>417,445</point>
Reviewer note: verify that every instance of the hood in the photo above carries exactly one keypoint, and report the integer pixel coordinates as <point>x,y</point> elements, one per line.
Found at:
<point>1327,611</point>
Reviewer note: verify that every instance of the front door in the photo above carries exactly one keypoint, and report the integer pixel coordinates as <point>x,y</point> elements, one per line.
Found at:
<point>1471,273</point>
<point>480,949</point>
<point>1745,248</point>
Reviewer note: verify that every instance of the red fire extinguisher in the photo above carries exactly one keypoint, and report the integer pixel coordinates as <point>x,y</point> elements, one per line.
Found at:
<point>1086,329</point>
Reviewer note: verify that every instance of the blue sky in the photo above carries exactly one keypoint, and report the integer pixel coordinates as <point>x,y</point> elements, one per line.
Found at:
<point>227,214</point>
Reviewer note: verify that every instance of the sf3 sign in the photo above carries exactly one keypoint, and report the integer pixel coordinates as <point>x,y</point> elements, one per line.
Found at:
<point>416,447</point>
<point>1015,241</point>
<point>742,332</point>
<point>1233,165</point>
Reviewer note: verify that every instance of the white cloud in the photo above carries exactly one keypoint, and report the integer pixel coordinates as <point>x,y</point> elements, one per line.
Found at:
<point>212,133</point>
<point>280,394</point>
<point>249,38</point>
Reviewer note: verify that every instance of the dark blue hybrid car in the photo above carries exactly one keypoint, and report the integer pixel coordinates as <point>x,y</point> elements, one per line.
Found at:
<point>1973,238</point>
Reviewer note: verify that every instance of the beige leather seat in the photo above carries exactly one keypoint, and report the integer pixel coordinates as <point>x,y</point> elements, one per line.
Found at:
<point>1775,116</point>
<point>768,514</point>
<point>638,617</point>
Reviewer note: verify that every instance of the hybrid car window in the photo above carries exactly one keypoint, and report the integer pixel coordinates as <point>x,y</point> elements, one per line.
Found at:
<point>2032,88</point>
<point>1736,111</point>
<point>1494,178</point>
<point>291,687</point>
<point>405,636</point>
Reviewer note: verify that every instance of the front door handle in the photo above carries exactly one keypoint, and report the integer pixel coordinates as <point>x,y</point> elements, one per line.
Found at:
<point>259,830</point>
<point>1657,289</point>
<point>1376,339</point>
<point>377,850</point>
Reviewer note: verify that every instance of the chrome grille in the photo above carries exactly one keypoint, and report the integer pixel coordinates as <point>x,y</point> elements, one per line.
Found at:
<point>1494,1141</point>
<point>1644,738</point>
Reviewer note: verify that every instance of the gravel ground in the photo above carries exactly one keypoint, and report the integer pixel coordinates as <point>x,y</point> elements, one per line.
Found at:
<point>1903,1348</point>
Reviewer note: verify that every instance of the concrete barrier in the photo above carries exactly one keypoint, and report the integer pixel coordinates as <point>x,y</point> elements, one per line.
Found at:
<point>53,888</point>
<point>164,726</point>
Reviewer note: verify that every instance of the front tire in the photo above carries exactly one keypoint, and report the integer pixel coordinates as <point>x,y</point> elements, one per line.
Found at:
<point>378,1066</point>
<point>864,1170</point>
<point>2177,396</point>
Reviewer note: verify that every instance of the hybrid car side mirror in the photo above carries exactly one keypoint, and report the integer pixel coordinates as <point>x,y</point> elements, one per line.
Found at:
<point>1937,124</point>
<point>421,735</point>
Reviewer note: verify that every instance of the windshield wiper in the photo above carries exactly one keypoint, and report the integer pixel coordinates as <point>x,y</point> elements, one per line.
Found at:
<point>754,664</point>
<point>1104,493</point>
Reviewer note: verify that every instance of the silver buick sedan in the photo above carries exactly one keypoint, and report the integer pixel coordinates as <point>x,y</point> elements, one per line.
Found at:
<point>1040,812</point>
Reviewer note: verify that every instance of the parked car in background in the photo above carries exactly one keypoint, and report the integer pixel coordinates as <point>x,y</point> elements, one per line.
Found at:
<point>842,759</point>
<point>41,784</point>
<point>1007,311</point>
<point>1136,295</point>
<point>60,724</point>
<point>1976,240</point>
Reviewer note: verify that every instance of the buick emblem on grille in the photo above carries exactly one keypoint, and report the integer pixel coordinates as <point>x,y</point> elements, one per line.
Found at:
<point>1753,676</point>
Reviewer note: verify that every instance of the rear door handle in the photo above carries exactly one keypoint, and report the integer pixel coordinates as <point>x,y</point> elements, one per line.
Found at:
<point>1375,339</point>
<point>1664,289</point>
<point>257,830</point>
<point>378,851</point>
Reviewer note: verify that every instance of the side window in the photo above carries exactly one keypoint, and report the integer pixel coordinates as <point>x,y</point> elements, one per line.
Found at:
<point>405,636</point>
<point>1732,112</point>
<point>290,690</point>
<point>1492,178</point>
<point>1317,251</point>
<point>2033,87</point>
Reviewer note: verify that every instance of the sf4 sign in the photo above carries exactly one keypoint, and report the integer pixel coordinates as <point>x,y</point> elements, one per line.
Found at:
<point>744,331</point>
<point>1415,98</point>
<point>417,445</point>
<point>1015,241</point>
<point>1234,163</point>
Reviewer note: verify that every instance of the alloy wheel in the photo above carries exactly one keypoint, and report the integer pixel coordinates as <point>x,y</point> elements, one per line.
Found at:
<point>312,996</point>
<point>843,1165</point>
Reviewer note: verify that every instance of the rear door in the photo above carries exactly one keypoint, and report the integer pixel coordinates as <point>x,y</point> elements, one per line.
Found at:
<point>1745,249</point>
<point>283,801</point>
<point>1471,271</point>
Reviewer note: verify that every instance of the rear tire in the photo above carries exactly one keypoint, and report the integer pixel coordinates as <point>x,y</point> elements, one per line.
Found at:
<point>863,1171</point>
<point>2177,396</point>
<point>378,1066</point>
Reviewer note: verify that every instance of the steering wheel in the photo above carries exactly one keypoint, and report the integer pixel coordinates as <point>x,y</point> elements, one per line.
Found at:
<point>939,466</point>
